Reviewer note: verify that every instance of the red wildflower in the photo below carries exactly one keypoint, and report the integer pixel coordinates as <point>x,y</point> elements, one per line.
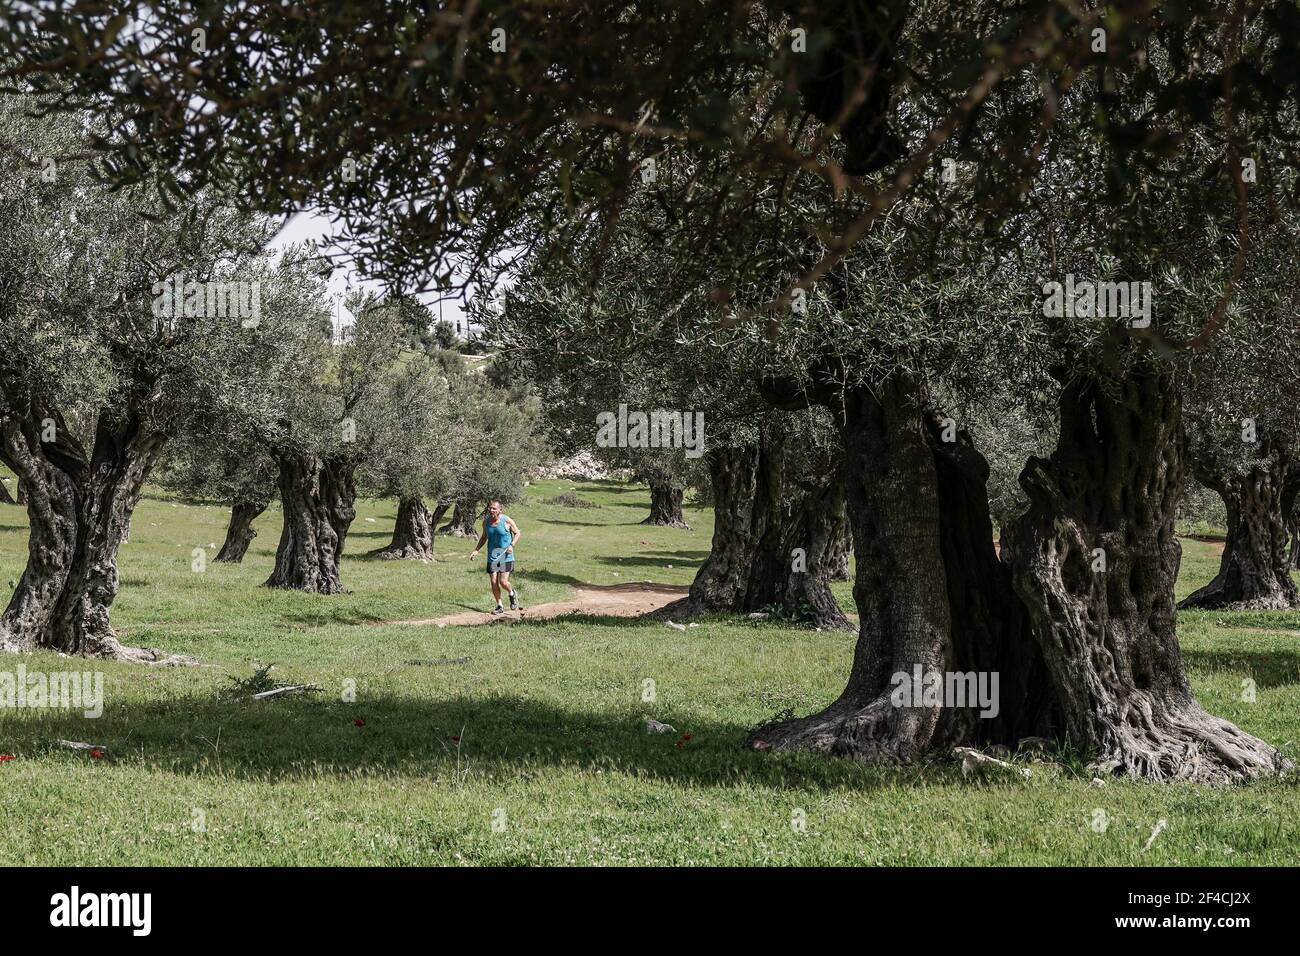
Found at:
<point>4,757</point>
<point>455,738</point>
<point>687,736</point>
<point>359,722</point>
<point>97,754</point>
<point>679,743</point>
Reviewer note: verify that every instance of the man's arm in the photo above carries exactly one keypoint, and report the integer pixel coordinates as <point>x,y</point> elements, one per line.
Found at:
<point>481,538</point>
<point>515,535</point>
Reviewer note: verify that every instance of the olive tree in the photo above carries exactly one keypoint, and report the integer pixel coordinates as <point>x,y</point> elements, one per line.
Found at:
<point>93,379</point>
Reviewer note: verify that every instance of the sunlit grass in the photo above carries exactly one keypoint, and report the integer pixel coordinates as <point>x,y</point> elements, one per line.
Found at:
<point>549,718</point>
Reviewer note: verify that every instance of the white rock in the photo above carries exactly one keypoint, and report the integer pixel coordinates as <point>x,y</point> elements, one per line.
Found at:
<point>655,727</point>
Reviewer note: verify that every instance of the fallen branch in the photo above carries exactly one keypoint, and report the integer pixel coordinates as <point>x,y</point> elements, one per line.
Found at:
<point>287,689</point>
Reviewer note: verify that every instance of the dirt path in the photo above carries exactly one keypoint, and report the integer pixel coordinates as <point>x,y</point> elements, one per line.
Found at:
<point>615,600</point>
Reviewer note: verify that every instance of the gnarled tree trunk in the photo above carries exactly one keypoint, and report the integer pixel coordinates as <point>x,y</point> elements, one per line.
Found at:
<point>412,533</point>
<point>1254,572</point>
<point>1107,631</point>
<point>761,517</point>
<point>440,509</point>
<point>1291,515</point>
<point>78,508</point>
<point>240,533</point>
<point>840,547</point>
<point>462,524</point>
<point>317,495</point>
<point>666,506</point>
<point>932,597</point>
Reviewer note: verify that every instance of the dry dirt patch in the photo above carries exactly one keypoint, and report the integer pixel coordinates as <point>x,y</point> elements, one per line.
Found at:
<point>614,600</point>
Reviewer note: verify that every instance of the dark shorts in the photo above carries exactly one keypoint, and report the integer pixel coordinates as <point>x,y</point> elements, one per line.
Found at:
<point>499,565</point>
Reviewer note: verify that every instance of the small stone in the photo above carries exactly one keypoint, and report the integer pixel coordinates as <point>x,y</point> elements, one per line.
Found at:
<point>655,727</point>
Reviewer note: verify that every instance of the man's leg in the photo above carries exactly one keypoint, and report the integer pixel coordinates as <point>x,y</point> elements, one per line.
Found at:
<point>505,584</point>
<point>496,586</point>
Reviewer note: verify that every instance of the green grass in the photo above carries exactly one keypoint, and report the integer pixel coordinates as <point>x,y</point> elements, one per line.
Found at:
<point>549,717</point>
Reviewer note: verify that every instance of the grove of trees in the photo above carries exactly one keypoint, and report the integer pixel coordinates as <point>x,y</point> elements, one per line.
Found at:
<point>841,231</point>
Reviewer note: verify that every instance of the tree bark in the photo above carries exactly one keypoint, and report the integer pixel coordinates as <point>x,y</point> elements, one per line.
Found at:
<point>412,533</point>
<point>1293,556</point>
<point>666,506</point>
<point>240,532</point>
<point>317,495</point>
<point>78,507</point>
<point>1255,570</point>
<point>1291,515</point>
<point>770,535</point>
<point>932,597</point>
<point>22,493</point>
<point>5,497</point>
<point>1108,636</point>
<point>837,554</point>
<point>462,524</point>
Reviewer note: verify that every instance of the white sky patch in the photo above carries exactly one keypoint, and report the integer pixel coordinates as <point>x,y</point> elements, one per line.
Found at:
<point>311,226</point>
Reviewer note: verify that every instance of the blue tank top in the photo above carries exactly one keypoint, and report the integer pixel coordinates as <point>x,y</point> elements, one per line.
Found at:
<point>498,538</point>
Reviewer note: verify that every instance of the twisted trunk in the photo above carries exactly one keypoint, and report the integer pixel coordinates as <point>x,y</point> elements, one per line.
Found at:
<point>412,533</point>
<point>1255,570</point>
<point>837,553</point>
<point>240,533</point>
<point>932,597</point>
<point>317,495</point>
<point>769,537</point>
<point>666,506</point>
<point>1291,514</point>
<point>1107,629</point>
<point>462,519</point>
<point>78,507</point>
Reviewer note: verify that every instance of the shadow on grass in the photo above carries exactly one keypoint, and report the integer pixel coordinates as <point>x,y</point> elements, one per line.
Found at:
<point>549,577</point>
<point>351,617</point>
<point>614,488</point>
<point>580,524</point>
<point>1266,668</point>
<point>297,737</point>
<point>639,561</point>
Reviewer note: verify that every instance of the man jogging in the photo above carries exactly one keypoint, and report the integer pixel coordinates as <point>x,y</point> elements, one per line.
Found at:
<point>501,535</point>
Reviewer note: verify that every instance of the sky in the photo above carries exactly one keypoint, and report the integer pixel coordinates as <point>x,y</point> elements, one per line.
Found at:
<point>306,226</point>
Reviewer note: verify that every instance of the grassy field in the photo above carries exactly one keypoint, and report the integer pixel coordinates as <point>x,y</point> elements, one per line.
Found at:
<point>533,751</point>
